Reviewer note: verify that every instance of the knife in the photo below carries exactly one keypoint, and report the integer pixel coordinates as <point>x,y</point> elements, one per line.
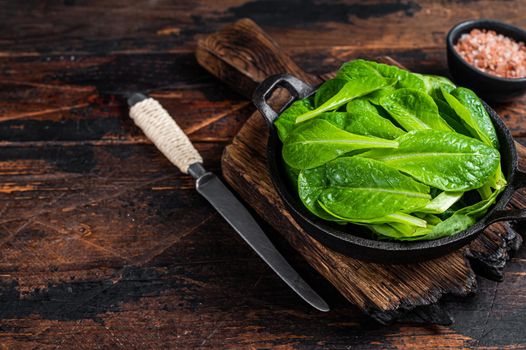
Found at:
<point>170,139</point>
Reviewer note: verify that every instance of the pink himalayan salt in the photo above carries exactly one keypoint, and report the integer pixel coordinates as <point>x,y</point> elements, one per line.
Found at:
<point>493,53</point>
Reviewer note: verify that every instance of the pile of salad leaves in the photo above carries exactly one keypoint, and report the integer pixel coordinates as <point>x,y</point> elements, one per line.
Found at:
<point>410,156</point>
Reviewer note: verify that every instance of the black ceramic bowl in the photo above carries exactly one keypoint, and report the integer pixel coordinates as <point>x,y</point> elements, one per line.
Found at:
<point>355,241</point>
<point>489,87</point>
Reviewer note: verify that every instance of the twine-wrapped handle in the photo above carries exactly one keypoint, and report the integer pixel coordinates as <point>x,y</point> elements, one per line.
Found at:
<point>164,132</point>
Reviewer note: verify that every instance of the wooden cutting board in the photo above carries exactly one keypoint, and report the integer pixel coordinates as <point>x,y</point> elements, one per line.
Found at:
<point>242,55</point>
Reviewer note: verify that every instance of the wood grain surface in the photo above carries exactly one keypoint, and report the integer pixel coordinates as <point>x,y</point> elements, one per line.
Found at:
<point>105,245</point>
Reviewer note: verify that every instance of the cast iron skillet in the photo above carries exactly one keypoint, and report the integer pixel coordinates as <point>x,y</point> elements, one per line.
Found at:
<point>355,241</point>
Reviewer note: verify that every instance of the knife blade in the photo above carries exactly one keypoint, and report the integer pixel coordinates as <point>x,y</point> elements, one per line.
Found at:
<point>210,187</point>
<point>170,139</point>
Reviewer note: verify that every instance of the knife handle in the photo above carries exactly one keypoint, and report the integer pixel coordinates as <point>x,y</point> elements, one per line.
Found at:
<point>163,131</point>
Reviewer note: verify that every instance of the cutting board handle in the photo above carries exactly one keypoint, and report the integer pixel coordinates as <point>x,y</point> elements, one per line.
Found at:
<point>242,55</point>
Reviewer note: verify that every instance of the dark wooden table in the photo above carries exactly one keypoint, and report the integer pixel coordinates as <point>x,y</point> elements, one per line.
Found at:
<point>105,245</point>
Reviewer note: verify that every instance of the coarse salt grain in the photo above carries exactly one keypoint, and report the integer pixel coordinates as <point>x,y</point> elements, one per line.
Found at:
<point>493,53</point>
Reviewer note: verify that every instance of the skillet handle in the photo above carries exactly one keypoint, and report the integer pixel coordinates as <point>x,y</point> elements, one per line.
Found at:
<point>295,87</point>
<point>507,215</point>
<point>518,182</point>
